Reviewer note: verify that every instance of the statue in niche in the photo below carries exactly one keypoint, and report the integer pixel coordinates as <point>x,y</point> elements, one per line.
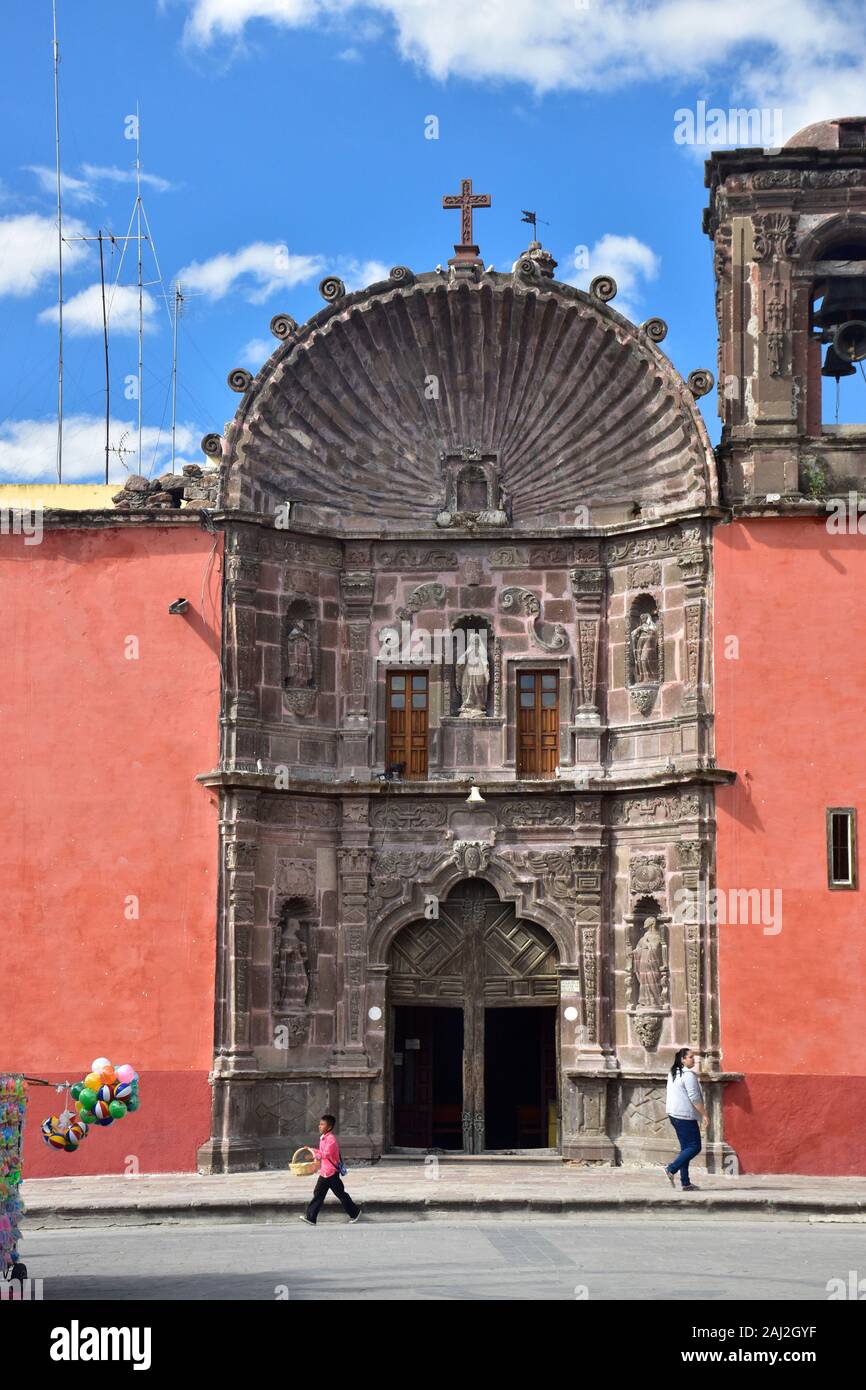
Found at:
<point>299,658</point>
<point>648,960</point>
<point>645,650</point>
<point>292,979</point>
<point>473,677</point>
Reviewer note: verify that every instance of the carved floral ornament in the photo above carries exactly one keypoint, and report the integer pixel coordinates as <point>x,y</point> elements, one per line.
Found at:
<point>773,235</point>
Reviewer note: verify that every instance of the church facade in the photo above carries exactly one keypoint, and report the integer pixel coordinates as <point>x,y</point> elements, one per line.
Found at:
<point>486,764</point>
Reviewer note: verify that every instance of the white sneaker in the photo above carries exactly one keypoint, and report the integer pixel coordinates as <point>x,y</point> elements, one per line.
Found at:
<point>353,1219</point>
<point>307,1219</point>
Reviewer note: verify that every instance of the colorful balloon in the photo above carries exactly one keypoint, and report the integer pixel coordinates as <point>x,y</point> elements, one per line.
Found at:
<point>133,1103</point>
<point>106,1093</point>
<point>93,1081</point>
<point>125,1072</point>
<point>88,1098</point>
<point>109,1121</point>
<point>75,1091</point>
<point>123,1090</point>
<point>117,1109</point>
<point>100,1110</point>
<point>88,1117</point>
<point>99,1064</point>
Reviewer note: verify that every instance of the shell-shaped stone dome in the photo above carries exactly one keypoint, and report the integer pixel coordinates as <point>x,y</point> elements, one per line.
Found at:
<point>355,411</point>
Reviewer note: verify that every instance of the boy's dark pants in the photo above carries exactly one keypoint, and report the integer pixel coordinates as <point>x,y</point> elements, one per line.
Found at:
<point>323,1187</point>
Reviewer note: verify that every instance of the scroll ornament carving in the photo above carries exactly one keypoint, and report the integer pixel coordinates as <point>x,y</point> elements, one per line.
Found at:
<point>424,596</point>
<point>549,811</point>
<point>395,870</point>
<point>590,981</point>
<point>645,576</point>
<point>414,558</point>
<point>689,854</point>
<point>525,601</point>
<point>554,867</point>
<point>408,815</point>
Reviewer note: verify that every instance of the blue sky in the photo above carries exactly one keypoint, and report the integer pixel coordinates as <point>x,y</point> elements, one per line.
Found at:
<point>300,124</point>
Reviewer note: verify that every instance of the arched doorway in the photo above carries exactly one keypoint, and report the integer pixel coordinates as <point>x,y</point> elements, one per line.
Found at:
<point>473,1028</point>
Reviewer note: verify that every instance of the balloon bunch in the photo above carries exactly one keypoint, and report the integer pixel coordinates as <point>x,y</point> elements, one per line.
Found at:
<point>106,1094</point>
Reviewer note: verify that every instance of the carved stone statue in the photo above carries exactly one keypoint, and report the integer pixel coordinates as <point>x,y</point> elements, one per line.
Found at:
<point>645,649</point>
<point>292,980</point>
<point>473,676</point>
<point>299,659</point>
<point>648,960</point>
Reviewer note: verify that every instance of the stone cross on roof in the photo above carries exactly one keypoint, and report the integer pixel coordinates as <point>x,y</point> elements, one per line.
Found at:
<point>466,200</point>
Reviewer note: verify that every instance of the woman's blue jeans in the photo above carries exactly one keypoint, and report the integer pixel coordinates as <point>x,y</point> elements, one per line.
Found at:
<point>689,1140</point>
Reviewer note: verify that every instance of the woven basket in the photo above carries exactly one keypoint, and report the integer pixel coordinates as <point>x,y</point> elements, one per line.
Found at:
<point>303,1170</point>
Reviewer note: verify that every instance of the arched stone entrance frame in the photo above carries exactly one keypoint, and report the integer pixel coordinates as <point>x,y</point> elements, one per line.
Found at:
<point>504,930</point>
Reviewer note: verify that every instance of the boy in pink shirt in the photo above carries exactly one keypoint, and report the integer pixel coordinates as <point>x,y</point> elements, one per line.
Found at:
<point>329,1179</point>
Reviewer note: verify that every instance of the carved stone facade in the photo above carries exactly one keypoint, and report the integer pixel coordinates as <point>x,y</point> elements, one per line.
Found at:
<point>553,903</point>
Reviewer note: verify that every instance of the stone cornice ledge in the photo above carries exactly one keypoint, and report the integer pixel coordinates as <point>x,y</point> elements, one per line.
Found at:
<point>610,786</point>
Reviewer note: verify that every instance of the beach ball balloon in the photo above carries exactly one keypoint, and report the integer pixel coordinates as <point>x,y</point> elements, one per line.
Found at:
<point>57,1141</point>
<point>106,1093</point>
<point>109,1121</point>
<point>123,1090</point>
<point>77,1132</point>
<point>100,1110</point>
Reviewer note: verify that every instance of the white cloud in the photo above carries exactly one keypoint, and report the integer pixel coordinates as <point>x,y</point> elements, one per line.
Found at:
<point>72,189</point>
<point>350,55</point>
<point>82,314</point>
<point>28,251</point>
<point>605,46</point>
<point>111,174</point>
<point>357,275</point>
<point>28,449</point>
<point>256,271</point>
<point>629,261</point>
<point>257,351</point>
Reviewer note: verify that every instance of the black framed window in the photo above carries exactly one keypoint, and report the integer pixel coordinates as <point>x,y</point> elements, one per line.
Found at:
<point>841,847</point>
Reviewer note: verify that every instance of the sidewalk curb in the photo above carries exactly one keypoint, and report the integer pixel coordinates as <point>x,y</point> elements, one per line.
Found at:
<point>267,1210</point>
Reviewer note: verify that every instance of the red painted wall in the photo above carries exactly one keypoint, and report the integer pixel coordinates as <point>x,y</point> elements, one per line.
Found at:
<point>789,721</point>
<point>100,802</point>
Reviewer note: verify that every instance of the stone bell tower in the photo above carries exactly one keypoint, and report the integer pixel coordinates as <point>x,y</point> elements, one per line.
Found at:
<point>789,230</point>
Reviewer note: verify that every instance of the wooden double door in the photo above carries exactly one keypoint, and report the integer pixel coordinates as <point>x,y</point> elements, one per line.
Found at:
<point>473,999</point>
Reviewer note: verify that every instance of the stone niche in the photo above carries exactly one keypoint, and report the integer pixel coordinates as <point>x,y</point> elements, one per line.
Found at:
<point>474,496</point>
<point>300,648</point>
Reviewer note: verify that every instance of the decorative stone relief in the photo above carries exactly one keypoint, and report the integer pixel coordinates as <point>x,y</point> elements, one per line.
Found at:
<point>648,809</point>
<point>647,873</point>
<point>525,601</point>
<point>472,857</point>
<point>295,878</point>
<point>546,811</point>
<point>416,558</point>
<point>408,815</point>
<point>773,235</point>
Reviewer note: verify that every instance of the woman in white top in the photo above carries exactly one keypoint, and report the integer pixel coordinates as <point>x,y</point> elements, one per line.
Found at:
<point>684,1105</point>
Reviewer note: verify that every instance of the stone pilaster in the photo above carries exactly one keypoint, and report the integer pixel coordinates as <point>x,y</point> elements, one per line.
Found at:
<point>690,857</point>
<point>588,586</point>
<point>356,589</point>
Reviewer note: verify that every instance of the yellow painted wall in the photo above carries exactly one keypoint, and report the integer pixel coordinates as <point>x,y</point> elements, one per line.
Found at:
<point>71,497</point>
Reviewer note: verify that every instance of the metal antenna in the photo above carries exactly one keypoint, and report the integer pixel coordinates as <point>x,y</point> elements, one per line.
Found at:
<point>178,301</point>
<point>140,290</point>
<point>59,250</point>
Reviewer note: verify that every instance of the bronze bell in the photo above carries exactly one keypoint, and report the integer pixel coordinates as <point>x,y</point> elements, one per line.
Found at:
<point>835,366</point>
<point>849,340</point>
<point>844,299</point>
